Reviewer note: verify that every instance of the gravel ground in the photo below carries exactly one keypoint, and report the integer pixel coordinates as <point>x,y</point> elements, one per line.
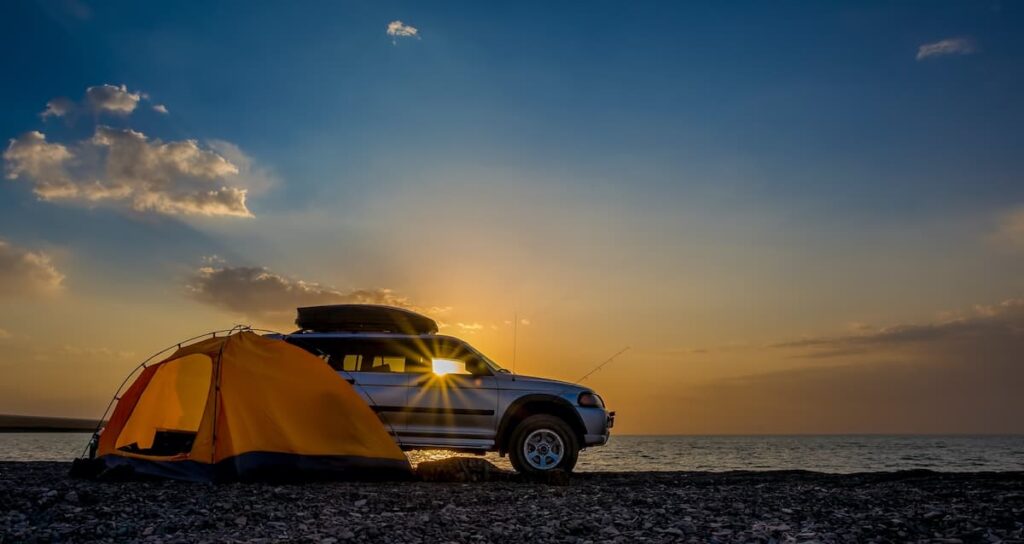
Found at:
<point>38,502</point>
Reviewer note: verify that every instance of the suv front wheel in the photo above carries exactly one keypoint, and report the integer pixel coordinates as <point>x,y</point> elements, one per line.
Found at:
<point>541,443</point>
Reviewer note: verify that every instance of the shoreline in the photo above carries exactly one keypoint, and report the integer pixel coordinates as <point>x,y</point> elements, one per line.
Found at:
<point>10,423</point>
<point>39,502</point>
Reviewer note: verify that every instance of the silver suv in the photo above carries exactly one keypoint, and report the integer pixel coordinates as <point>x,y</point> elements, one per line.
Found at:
<point>437,392</point>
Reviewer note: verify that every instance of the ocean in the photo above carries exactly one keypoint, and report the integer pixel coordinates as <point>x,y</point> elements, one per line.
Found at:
<point>834,453</point>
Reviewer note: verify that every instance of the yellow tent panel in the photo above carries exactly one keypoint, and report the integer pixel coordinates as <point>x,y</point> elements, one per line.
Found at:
<point>174,400</point>
<point>246,407</point>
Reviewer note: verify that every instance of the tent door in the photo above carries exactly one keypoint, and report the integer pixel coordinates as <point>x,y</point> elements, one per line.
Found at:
<point>166,418</point>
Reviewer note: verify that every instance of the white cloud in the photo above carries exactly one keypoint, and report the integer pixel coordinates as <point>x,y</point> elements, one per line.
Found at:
<point>58,107</point>
<point>114,99</point>
<point>470,327</point>
<point>100,99</point>
<point>258,179</point>
<point>27,272</point>
<point>124,167</point>
<point>132,155</point>
<point>950,46</point>
<point>398,29</point>
<point>30,156</point>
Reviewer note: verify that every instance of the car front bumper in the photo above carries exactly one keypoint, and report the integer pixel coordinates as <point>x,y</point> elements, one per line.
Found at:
<point>598,423</point>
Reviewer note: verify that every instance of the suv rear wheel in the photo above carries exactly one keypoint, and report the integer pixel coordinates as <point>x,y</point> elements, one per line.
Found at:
<point>541,443</point>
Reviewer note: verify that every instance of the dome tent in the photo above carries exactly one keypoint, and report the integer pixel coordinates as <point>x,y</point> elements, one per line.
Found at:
<point>245,407</point>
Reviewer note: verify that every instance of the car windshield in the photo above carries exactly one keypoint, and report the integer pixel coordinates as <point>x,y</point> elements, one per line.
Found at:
<point>487,360</point>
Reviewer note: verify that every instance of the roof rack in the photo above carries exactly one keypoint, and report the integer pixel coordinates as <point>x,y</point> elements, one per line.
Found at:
<point>363,318</point>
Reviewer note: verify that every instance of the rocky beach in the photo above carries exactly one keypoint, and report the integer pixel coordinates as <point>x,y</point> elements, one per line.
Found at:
<point>40,503</point>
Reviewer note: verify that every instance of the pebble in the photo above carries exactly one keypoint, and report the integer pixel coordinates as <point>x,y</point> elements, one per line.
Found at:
<point>492,506</point>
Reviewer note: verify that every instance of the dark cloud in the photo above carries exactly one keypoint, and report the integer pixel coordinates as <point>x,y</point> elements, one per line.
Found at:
<point>983,323</point>
<point>961,374</point>
<point>968,389</point>
<point>259,293</point>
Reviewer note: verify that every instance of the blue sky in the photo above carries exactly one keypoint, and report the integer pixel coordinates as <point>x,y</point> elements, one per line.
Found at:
<point>743,172</point>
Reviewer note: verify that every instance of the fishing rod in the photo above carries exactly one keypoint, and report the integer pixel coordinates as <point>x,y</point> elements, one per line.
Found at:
<point>600,366</point>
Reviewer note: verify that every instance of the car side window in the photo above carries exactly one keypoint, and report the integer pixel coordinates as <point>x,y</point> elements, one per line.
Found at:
<point>349,362</point>
<point>383,363</point>
<point>440,356</point>
<point>361,355</point>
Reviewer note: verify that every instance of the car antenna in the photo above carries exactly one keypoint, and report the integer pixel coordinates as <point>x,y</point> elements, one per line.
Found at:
<point>600,366</point>
<point>515,341</point>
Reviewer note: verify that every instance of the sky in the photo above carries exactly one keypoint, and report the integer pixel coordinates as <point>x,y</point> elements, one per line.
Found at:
<point>800,217</point>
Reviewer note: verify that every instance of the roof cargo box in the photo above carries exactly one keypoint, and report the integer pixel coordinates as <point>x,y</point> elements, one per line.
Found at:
<point>363,318</point>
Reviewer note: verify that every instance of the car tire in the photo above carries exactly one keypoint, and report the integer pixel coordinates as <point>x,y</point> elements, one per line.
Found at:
<point>552,445</point>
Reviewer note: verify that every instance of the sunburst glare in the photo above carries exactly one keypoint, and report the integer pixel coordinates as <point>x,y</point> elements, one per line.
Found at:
<point>442,367</point>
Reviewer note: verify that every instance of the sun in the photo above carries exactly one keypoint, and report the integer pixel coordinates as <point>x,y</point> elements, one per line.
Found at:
<point>442,367</point>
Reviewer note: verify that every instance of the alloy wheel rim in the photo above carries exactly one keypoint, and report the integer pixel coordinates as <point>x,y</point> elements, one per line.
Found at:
<point>543,449</point>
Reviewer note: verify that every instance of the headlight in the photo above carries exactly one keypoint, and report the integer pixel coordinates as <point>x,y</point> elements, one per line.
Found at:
<point>590,399</point>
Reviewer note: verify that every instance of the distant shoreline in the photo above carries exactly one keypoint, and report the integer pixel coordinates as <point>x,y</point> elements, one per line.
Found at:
<point>41,424</point>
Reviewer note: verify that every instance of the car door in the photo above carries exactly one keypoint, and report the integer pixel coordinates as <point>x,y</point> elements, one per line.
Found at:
<point>453,402</point>
<point>375,371</point>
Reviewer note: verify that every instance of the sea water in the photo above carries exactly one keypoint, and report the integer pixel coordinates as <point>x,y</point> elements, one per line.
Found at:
<point>834,453</point>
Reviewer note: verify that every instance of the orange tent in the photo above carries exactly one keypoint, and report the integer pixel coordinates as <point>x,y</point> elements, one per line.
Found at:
<point>245,407</point>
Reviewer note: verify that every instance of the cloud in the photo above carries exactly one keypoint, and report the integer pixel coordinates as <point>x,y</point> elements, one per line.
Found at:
<point>31,156</point>
<point>950,46</point>
<point>470,327</point>
<point>27,272</point>
<point>58,107</point>
<point>987,322</point>
<point>968,390</point>
<point>956,374</point>
<point>398,29</point>
<point>115,99</point>
<point>92,352</point>
<point>1010,229</point>
<point>99,99</point>
<point>258,179</point>
<point>124,167</point>
<point>160,108</point>
<point>259,293</point>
